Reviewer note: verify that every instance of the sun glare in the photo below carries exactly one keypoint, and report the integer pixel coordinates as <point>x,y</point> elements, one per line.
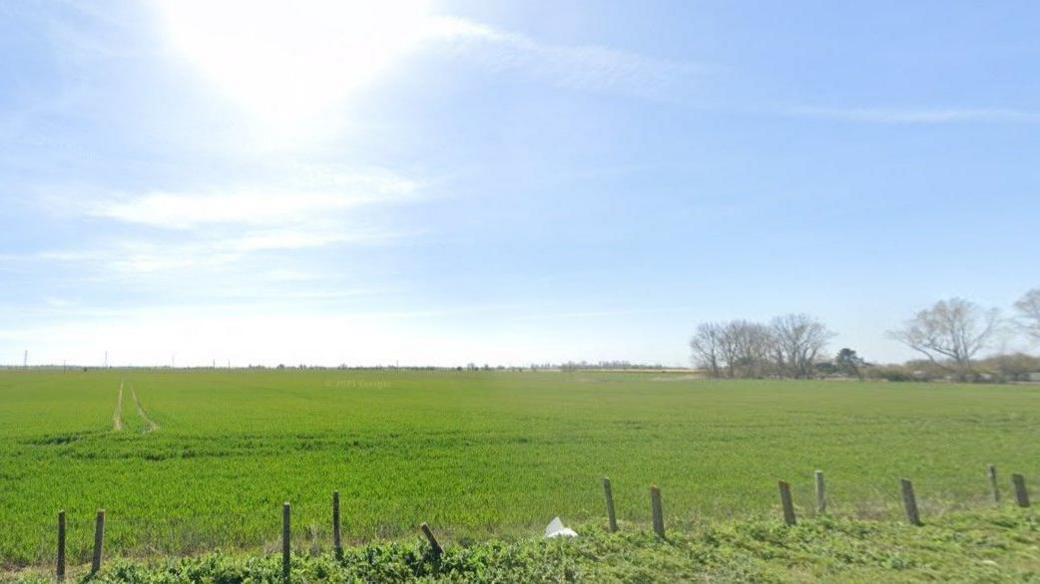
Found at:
<point>288,62</point>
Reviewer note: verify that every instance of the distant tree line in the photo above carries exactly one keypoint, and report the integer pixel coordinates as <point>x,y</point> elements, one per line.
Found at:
<point>608,365</point>
<point>787,346</point>
<point>952,336</point>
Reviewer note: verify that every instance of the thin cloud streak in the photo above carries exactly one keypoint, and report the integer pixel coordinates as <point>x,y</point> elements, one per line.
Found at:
<point>142,256</point>
<point>189,211</point>
<point>934,116</point>
<point>307,202</point>
<point>583,67</point>
<point>216,228</point>
<point>604,313</point>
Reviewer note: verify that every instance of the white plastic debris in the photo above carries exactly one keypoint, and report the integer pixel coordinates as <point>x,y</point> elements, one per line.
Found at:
<point>557,529</point>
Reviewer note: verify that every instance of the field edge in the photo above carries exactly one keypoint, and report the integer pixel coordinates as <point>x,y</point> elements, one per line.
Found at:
<point>998,545</point>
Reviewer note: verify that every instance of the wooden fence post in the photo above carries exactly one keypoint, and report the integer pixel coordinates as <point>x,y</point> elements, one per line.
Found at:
<point>993,486</point>
<point>821,493</point>
<point>60,570</point>
<point>609,493</point>
<point>337,532</point>
<point>1021,494</point>
<point>655,507</point>
<point>99,541</point>
<point>788,505</point>
<point>286,540</point>
<point>436,547</point>
<point>910,503</point>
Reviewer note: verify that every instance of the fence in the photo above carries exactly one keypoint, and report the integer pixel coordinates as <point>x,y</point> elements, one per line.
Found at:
<point>913,516</point>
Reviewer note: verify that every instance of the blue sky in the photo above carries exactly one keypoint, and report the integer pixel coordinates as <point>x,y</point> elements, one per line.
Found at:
<point>446,182</point>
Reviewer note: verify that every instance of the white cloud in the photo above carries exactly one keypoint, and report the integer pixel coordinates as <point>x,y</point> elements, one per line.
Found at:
<point>308,208</point>
<point>140,256</point>
<point>598,314</point>
<point>588,67</point>
<point>190,210</point>
<point>289,239</point>
<point>922,116</point>
<point>301,201</point>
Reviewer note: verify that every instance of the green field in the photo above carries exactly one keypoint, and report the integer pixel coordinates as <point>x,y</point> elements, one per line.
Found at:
<point>209,457</point>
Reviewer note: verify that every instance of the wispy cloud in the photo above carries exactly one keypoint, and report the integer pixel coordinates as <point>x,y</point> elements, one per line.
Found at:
<point>926,116</point>
<point>137,255</point>
<point>192,210</point>
<point>215,228</point>
<point>594,314</point>
<point>584,67</point>
<point>254,206</point>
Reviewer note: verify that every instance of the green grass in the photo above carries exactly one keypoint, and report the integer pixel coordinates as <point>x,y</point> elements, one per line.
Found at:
<point>975,547</point>
<point>476,454</point>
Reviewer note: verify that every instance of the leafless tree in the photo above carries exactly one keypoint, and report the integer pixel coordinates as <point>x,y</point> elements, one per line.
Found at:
<point>706,345</point>
<point>742,348</point>
<point>750,346</point>
<point>738,348</point>
<point>951,331</point>
<point>1028,308</point>
<point>797,340</point>
<point>728,348</point>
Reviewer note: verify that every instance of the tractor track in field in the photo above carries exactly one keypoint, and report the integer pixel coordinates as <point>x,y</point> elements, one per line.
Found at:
<point>149,424</point>
<point>117,416</point>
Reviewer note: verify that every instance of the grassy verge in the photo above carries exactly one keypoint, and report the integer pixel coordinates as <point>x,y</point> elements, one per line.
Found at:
<point>995,546</point>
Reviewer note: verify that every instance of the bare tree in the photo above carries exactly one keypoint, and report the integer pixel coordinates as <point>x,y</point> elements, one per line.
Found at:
<point>728,347</point>
<point>738,348</point>
<point>790,345</point>
<point>1028,308</point>
<point>750,346</point>
<point>953,330</point>
<point>706,345</point>
<point>797,340</point>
